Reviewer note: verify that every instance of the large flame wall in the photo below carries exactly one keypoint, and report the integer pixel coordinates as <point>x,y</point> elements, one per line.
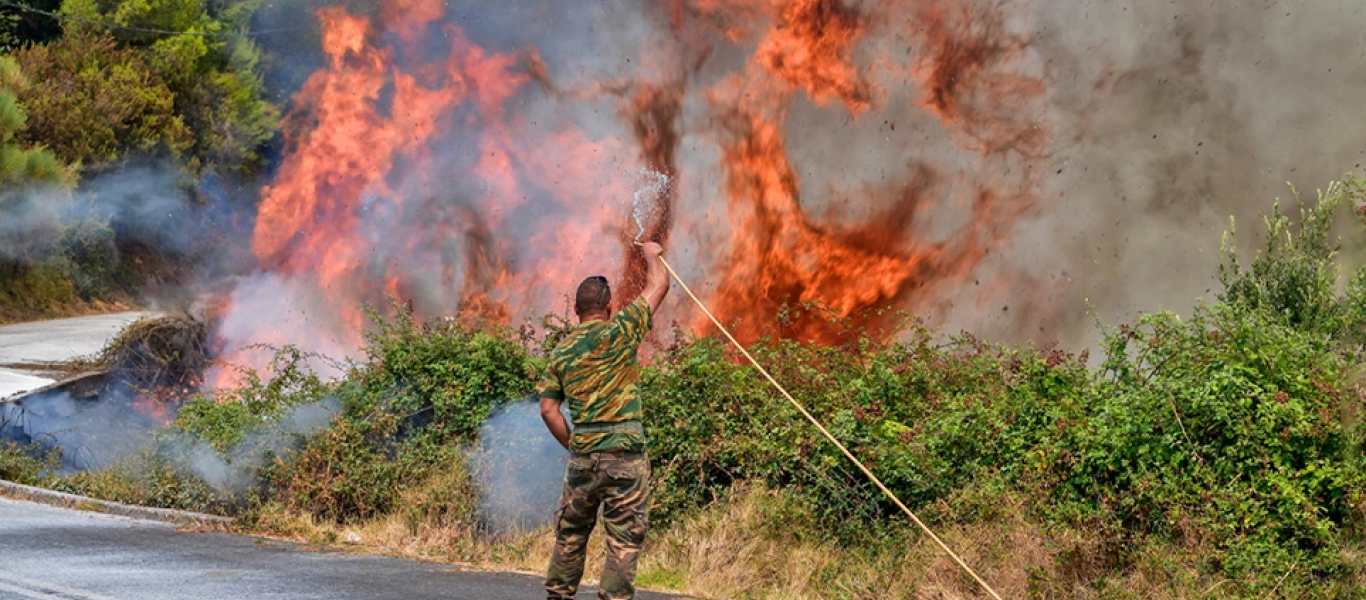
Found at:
<point>857,155</point>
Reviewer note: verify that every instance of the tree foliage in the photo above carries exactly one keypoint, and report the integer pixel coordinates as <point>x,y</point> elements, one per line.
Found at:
<point>107,93</point>
<point>21,165</point>
<point>124,81</point>
<point>20,28</point>
<point>33,183</point>
<point>94,101</point>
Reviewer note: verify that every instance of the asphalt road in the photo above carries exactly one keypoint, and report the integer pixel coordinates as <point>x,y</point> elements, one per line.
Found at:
<point>58,340</point>
<point>48,553</point>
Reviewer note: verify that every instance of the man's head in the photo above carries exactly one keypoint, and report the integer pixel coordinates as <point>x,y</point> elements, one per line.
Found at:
<point>593,297</point>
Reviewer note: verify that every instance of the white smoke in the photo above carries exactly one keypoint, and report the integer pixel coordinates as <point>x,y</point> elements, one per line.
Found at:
<point>520,469</point>
<point>98,433</point>
<point>148,203</point>
<point>237,469</point>
<point>91,434</point>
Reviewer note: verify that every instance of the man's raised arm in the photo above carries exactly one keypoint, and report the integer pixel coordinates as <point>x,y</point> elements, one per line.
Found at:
<point>656,277</point>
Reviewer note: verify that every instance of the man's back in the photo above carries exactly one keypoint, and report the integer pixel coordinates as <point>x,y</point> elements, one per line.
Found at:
<point>596,370</point>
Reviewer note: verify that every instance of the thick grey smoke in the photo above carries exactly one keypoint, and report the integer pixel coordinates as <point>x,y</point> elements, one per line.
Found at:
<point>519,467</point>
<point>1162,120</point>
<point>1171,118</point>
<point>147,203</point>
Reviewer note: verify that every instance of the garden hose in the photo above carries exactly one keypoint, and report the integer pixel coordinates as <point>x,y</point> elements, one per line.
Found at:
<point>827,434</point>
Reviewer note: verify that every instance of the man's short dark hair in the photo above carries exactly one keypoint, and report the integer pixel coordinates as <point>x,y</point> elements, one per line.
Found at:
<point>593,296</point>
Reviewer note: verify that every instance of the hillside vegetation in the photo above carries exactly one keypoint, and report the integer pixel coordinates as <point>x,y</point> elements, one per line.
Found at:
<point>86,102</point>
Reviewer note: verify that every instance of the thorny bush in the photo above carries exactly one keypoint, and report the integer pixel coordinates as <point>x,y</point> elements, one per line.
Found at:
<point>422,388</point>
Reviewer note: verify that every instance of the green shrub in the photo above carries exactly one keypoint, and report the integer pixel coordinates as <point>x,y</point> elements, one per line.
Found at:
<point>148,478</point>
<point>1228,420</point>
<point>915,412</point>
<point>442,379</point>
<point>424,388</point>
<point>224,419</point>
<point>20,466</point>
<point>1295,277</point>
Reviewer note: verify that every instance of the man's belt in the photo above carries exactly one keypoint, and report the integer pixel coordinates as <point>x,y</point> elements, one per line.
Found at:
<point>632,426</point>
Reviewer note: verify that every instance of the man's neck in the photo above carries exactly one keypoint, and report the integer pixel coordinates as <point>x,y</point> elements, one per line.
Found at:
<point>597,316</point>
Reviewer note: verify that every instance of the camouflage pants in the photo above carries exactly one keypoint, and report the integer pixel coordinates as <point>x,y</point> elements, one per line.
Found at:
<point>619,483</point>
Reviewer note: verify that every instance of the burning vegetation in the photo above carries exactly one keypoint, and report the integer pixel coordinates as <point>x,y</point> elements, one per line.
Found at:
<point>1057,475</point>
<point>427,165</point>
<point>163,358</point>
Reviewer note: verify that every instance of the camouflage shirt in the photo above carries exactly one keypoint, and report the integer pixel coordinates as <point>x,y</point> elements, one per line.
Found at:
<point>595,368</point>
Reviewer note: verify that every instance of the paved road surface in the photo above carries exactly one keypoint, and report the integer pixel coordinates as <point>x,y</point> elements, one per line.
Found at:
<point>54,554</point>
<point>57,340</point>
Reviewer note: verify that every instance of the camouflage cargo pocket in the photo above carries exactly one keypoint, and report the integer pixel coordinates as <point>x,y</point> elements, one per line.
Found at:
<point>622,472</point>
<point>632,469</point>
<point>579,464</point>
<point>640,522</point>
<point>559,511</point>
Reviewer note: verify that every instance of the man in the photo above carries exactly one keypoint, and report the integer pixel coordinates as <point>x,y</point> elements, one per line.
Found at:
<point>596,369</point>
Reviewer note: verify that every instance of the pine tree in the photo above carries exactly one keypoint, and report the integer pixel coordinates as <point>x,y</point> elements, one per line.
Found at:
<point>21,166</point>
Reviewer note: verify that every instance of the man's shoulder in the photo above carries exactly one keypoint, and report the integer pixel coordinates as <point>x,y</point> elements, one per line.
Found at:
<point>635,314</point>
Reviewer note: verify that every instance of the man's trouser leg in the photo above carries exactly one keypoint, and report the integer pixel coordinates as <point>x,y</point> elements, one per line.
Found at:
<point>620,483</point>
<point>574,520</point>
<point>626,493</point>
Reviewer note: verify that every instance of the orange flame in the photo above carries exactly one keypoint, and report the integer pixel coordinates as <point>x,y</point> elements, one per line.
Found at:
<point>808,46</point>
<point>500,196</point>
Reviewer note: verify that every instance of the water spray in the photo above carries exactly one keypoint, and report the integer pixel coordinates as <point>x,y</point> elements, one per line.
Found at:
<point>637,211</point>
<point>652,189</point>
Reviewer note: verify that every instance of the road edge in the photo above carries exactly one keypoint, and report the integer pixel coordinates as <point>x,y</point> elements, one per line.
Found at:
<point>18,491</point>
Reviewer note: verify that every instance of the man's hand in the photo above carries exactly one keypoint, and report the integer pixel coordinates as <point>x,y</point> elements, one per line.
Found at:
<point>656,277</point>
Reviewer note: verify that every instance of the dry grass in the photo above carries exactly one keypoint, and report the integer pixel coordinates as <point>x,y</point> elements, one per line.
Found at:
<point>737,550</point>
<point>756,545</point>
<point>436,523</point>
<point>429,540</point>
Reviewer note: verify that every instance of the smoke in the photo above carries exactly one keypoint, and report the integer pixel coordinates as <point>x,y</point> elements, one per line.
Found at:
<point>237,469</point>
<point>90,434</point>
<point>148,203</point>
<point>145,218</point>
<point>95,434</point>
<point>519,467</point>
<point>1172,118</point>
<point>995,165</point>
